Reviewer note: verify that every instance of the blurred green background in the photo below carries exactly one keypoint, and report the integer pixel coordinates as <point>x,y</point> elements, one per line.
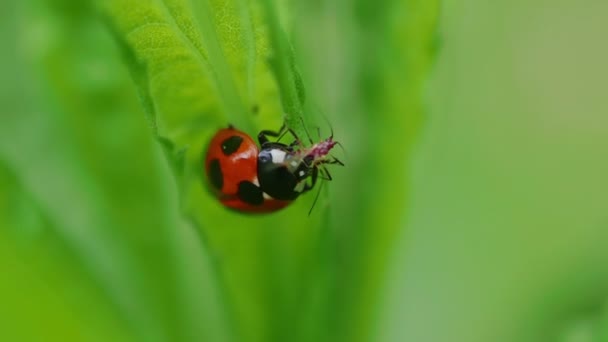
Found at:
<point>473,205</point>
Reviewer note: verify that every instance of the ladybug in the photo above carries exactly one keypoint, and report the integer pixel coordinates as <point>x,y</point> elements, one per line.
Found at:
<point>265,179</point>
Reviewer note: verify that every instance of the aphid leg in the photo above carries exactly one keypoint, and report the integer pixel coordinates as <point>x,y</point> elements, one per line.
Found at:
<point>325,175</point>
<point>336,161</point>
<point>263,135</point>
<point>306,130</point>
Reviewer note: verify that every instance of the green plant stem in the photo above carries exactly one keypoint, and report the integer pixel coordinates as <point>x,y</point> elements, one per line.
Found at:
<point>234,108</point>
<point>282,65</point>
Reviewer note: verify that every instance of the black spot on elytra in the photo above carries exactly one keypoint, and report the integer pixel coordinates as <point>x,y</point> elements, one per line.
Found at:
<point>250,193</point>
<point>215,174</point>
<point>231,145</point>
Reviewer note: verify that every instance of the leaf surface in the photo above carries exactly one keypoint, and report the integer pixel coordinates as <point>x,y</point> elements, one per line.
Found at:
<point>200,66</point>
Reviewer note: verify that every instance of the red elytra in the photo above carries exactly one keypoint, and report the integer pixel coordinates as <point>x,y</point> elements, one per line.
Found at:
<point>231,165</point>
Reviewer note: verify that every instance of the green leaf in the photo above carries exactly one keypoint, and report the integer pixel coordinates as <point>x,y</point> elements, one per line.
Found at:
<point>197,67</point>
<point>200,66</point>
<point>76,137</point>
<point>44,281</point>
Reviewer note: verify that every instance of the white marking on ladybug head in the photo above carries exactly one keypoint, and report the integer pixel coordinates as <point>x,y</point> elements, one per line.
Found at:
<point>301,173</point>
<point>278,156</point>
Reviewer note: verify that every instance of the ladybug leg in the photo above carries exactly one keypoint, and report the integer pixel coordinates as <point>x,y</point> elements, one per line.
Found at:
<point>295,143</point>
<point>263,136</point>
<point>314,177</point>
<point>285,130</point>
